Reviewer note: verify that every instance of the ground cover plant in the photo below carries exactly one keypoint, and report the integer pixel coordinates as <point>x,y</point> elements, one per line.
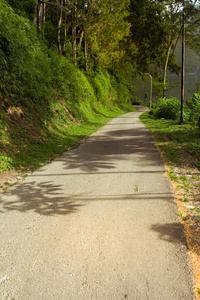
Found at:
<point>26,144</point>
<point>174,138</point>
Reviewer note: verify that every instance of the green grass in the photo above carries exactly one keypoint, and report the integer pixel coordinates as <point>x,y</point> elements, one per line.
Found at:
<point>172,137</point>
<point>50,138</point>
<point>172,175</point>
<point>198,290</point>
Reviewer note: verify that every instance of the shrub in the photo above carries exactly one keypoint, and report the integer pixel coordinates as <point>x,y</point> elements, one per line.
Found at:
<point>193,105</point>
<point>168,109</point>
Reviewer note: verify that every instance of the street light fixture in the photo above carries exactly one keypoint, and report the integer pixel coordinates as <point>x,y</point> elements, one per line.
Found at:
<point>150,89</point>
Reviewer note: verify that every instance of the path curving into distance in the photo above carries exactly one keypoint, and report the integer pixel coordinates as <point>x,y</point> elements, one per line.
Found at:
<point>98,223</point>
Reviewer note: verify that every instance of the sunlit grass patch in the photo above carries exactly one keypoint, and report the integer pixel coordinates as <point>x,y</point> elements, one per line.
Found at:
<point>172,137</point>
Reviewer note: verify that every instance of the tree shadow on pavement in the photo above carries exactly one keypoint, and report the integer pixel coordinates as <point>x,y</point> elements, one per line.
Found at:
<point>101,152</point>
<point>44,198</point>
<point>174,233</point>
<point>170,232</point>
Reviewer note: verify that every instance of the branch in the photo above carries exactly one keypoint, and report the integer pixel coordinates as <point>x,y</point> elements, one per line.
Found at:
<point>57,5</point>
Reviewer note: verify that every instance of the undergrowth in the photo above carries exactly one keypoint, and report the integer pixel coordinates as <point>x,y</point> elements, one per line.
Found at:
<point>173,138</point>
<point>26,144</point>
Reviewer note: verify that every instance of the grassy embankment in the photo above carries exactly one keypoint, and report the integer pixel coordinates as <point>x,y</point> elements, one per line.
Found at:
<point>28,139</point>
<point>47,103</point>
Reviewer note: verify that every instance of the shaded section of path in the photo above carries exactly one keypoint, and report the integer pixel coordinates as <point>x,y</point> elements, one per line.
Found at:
<point>99,222</point>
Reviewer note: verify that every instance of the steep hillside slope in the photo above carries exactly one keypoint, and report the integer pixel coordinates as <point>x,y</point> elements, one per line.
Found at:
<point>48,104</point>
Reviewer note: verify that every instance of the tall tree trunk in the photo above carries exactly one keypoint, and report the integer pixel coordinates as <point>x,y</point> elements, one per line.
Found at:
<point>65,33</point>
<point>44,15</point>
<point>39,15</point>
<point>183,69</point>
<point>35,15</point>
<point>59,27</point>
<point>86,53</point>
<point>74,43</point>
<point>199,126</point>
<point>74,34</point>
<point>81,39</point>
<point>165,67</point>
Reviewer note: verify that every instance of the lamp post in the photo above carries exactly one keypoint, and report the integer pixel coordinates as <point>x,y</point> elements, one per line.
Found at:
<point>150,89</point>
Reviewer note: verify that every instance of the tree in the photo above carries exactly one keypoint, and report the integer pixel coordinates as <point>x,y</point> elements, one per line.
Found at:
<point>155,29</point>
<point>177,13</point>
<point>107,29</point>
<point>172,16</point>
<point>147,32</point>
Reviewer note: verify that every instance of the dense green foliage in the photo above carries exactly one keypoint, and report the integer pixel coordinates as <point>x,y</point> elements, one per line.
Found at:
<point>47,100</point>
<point>168,109</point>
<point>31,72</point>
<point>147,32</point>
<point>25,72</point>
<point>193,104</point>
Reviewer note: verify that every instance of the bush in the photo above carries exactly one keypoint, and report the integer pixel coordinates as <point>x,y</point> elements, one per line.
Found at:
<point>168,109</point>
<point>193,105</point>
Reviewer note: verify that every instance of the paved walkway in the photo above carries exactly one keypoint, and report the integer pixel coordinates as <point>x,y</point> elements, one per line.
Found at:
<point>97,223</point>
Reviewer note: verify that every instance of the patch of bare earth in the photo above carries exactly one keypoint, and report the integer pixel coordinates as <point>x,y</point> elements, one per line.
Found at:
<point>187,190</point>
<point>10,178</point>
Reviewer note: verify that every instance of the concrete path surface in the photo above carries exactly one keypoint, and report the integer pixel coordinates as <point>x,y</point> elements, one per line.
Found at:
<point>98,223</point>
